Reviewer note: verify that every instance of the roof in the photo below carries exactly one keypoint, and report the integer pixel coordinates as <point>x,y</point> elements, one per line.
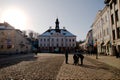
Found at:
<point>5,25</point>
<point>52,32</point>
<point>64,32</point>
<point>106,1</point>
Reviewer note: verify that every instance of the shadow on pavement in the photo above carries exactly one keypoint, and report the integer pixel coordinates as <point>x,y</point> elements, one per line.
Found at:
<point>94,67</point>
<point>15,60</point>
<point>91,66</point>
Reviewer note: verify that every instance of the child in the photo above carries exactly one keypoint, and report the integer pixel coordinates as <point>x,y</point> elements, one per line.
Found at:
<point>76,59</point>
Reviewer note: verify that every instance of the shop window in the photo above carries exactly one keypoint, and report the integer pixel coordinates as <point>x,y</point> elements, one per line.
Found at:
<point>119,48</point>
<point>1,47</point>
<point>9,46</point>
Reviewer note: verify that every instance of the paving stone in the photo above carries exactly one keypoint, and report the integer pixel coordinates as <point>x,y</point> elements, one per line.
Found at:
<point>53,67</point>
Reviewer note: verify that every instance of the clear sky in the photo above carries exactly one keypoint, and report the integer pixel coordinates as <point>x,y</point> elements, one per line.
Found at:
<point>75,15</point>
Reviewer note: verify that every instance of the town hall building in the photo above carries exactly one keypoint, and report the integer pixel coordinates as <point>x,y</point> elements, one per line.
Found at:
<point>57,40</point>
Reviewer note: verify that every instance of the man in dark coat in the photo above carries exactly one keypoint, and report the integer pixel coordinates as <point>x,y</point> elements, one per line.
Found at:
<point>80,56</point>
<point>66,56</point>
<point>76,59</point>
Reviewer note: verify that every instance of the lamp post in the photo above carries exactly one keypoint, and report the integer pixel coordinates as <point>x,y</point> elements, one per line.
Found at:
<point>96,48</point>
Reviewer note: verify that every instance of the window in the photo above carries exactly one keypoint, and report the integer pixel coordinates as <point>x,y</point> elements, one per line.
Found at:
<point>44,45</point>
<point>64,33</point>
<point>52,39</point>
<point>116,15</point>
<point>73,40</point>
<point>66,39</point>
<point>111,6</point>
<point>57,45</point>
<point>112,19</point>
<point>41,40</point>
<point>9,46</point>
<point>115,1</point>
<point>1,46</point>
<point>107,31</point>
<point>100,34</point>
<point>61,45</point>
<point>113,32</point>
<point>104,33</point>
<point>57,40</point>
<point>47,39</point>
<point>69,45</point>
<point>119,48</point>
<point>62,39</point>
<point>40,44</point>
<point>70,40</point>
<point>44,39</point>
<point>73,45</point>
<point>118,32</point>
<point>52,44</point>
<point>106,18</point>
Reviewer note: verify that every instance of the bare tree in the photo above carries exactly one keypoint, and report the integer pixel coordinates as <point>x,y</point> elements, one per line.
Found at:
<point>31,34</point>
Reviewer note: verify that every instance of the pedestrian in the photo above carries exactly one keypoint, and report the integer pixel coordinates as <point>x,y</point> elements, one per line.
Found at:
<point>116,53</point>
<point>79,54</point>
<point>76,59</point>
<point>35,52</point>
<point>66,56</point>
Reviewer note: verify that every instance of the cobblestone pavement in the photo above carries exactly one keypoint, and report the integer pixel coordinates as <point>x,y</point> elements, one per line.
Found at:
<point>110,60</point>
<point>52,66</point>
<point>43,67</point>
<point>90,70</point>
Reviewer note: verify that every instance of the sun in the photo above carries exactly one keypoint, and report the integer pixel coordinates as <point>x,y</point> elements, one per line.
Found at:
<point>15,17</point>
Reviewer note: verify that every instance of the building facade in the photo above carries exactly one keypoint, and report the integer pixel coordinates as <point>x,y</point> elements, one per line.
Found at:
<point>56,40</point>
<point>114,7</point>
<point>83,46</point>
<point>12,41</point>
<point>89,42</point>
<point>101,31</point>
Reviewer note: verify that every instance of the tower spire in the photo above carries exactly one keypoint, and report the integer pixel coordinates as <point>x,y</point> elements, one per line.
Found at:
<point>57,24</point>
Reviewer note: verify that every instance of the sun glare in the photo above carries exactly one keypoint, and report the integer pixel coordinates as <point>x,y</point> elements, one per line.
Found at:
<point>15,17</point>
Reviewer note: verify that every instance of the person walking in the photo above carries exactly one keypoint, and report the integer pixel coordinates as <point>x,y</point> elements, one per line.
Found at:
<point>79,54</point>
<point>66,56</point>
<point>76,59</point>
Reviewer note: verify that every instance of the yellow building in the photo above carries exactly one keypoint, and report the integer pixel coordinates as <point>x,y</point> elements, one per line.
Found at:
<point>12,41</point>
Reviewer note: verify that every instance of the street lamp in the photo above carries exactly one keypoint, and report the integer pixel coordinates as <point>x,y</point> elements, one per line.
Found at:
<point>96,48</point>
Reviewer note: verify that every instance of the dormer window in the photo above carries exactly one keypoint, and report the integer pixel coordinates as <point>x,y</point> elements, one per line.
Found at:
<point>64,33</point>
